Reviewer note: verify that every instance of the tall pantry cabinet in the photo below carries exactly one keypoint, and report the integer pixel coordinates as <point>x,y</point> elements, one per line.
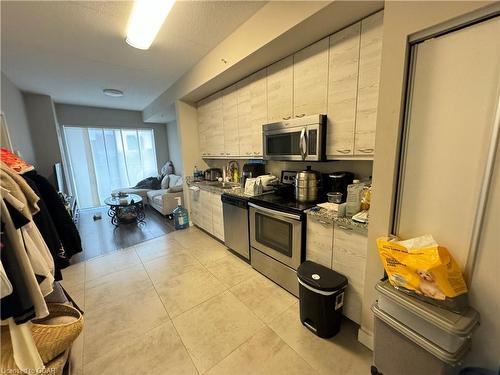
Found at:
<point>353,85</point>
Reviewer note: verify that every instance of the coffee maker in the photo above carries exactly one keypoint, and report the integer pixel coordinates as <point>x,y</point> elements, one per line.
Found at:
<point>251,170</point>
<point>336,182</point>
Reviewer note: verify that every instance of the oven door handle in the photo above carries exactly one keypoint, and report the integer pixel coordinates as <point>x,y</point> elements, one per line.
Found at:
<point>303,143</point>
<point>275,213</point>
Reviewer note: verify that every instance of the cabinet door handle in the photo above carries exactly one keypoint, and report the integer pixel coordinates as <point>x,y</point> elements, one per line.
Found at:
<point>301,115</point>
<point>344,151</point>
<point>227,153</point>
<point>287,118</point>
<point>366,150</point>
<point>249,153</point>
<point>344,227</point>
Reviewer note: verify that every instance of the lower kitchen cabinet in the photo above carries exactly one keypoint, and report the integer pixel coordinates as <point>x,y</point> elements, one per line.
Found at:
<point>319,241</point>
<point>342,249</point>
<point>349,259</point>
<point>206,212</point>
<point>194,203</point>
<point>217,218</point>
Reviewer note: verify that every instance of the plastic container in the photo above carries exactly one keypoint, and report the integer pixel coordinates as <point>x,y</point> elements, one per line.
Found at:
<point>446,329</point>
<point>181,216</point>
<point>400,350</point>
<point>334,197</point>
<point>321,296</point>
<point>353,202</point>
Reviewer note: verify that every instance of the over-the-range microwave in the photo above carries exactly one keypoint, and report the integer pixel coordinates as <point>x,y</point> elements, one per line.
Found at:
<point>296,139</point>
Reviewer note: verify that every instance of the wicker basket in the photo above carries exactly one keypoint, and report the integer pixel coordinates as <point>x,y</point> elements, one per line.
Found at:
<point>56,332</point>
<point>52,335</point>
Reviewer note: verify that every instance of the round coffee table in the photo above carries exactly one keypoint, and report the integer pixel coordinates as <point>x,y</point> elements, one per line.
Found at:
<point>125,209</point>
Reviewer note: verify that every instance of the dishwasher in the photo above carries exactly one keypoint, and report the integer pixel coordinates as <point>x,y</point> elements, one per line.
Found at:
<point>235,213</point>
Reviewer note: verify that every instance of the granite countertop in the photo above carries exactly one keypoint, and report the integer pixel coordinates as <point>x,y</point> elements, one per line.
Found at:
<point>329,216</point>
<point>213,188</point>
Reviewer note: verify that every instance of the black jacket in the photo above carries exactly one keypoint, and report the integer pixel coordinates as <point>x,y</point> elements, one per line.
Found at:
<point>66,228</point>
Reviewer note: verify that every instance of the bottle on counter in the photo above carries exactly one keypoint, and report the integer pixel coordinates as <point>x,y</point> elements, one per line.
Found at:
<point>366,193</point>
<point>195,173</point>
<point>353,202</point>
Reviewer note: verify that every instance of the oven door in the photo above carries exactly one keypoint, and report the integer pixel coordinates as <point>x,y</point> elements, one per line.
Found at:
<point>295,143</point>
<point>276,234</point>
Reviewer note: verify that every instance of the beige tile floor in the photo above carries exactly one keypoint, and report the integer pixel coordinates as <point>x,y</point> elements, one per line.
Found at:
<point>183,304</point>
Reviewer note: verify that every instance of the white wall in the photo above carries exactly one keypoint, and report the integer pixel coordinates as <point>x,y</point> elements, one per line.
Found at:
<point>44,131</point>
<point>401,19</point>
<point>174,146</point>
<point>77,115</point>
<point>12,105</point>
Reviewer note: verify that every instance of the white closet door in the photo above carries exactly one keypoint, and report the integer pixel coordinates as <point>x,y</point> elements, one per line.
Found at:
<point>451,116</point>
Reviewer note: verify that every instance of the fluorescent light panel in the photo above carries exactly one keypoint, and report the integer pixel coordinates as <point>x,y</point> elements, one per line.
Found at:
<point>145,21</point>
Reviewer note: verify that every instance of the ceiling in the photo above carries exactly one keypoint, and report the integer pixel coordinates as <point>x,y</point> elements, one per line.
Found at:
<point>71,50</point>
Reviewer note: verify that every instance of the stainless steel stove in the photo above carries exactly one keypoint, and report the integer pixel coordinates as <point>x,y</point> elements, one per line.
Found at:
<point>277,234</point>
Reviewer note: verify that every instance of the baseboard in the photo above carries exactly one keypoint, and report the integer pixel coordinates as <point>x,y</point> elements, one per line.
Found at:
<point>365,338</point>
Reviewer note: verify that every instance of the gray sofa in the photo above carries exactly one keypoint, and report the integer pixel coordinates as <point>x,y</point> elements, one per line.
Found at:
<point>163,200</point>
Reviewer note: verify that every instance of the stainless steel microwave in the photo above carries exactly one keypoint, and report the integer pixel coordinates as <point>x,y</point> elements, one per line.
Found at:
<point>297,139</point>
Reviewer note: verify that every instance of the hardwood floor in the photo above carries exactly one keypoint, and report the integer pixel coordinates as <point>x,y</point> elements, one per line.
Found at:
<point>101,237</point>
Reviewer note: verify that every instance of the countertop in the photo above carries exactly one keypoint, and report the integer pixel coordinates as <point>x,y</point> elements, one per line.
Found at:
<point>209,186</point>
<point>329,217</point>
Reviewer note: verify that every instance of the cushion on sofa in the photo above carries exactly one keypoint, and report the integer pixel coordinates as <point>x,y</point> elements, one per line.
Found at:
<point>165,182</point>
<point>175,180</point>
<point>175,189</point>
<point>156,193</point>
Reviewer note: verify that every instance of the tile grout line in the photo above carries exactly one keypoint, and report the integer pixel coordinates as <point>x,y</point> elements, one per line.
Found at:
<point>165,308</point>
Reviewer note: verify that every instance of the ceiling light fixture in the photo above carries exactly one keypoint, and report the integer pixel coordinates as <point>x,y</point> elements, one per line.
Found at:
<point>145,21</point>
<point>113,93</point>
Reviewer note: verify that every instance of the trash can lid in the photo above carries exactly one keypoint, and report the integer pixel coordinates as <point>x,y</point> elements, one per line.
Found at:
<point>320,277</point>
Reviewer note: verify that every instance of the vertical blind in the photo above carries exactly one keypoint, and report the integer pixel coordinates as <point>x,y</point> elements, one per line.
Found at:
<point>104,159</point>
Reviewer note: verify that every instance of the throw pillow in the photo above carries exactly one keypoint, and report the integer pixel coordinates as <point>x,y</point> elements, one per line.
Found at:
<point>164,182</point>
<point>175,180</point>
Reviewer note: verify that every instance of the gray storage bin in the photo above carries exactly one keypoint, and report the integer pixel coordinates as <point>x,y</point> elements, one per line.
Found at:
<point>442,327</point>
<point>400,350</point>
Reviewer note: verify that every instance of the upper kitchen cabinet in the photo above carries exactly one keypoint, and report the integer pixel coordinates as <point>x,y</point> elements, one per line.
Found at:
<point>203,123</point>
<point>280,90</point>
<point>210,126</point>
<point>368,83</point>
<point>215,134</point>
<point>230,121</point>
<point>342,91</point>
<point>310,79</point>
<point>252,114</point>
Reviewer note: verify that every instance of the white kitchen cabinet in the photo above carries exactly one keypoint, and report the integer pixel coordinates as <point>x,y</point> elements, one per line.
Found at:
<point>203,123</point>
<point>280,90</point>
<point>349,259</point>
<point>194,204</point>
<point>210,126</point>
<point>217,216</point>
<point>206,211</point>
<point>319,241</point>
<point>215,128</point>
<point>368,83</point>
<point>342,91</point>
<point>310,79</point>
<point>252,114</point>
<point>230,121</point>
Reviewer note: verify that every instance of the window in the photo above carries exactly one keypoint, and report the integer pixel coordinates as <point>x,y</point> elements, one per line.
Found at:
<point>103,159</point>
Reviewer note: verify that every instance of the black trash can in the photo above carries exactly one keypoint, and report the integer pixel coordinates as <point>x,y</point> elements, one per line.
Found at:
<point>321,295</point>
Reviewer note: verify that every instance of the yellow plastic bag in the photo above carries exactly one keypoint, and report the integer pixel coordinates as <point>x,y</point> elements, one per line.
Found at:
<point>422,266</point>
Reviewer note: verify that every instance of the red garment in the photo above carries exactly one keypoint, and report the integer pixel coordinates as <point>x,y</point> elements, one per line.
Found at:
<point>14,161</point>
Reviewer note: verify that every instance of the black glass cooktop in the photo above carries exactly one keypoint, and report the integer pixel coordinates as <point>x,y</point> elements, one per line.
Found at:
<point>283,201</point>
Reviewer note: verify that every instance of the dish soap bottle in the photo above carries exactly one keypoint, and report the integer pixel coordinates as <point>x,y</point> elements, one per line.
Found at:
<point>181,216</point>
